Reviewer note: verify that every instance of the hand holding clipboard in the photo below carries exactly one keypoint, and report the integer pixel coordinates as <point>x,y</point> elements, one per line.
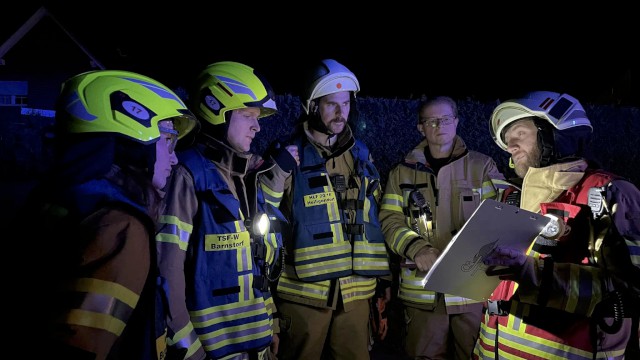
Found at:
<point>460,269</point>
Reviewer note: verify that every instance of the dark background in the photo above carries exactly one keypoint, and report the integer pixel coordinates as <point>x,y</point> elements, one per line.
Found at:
<point>476,53</point>
<point>485,52</point>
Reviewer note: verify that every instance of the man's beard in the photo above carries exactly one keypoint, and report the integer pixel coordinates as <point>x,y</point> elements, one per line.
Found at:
<point>531,159</point>
<point>337,121</point>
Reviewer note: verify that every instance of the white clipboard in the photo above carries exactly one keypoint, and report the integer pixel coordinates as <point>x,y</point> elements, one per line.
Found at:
<point>459,269</point>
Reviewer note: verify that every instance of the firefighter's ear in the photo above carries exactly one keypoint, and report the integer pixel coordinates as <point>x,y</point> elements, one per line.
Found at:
<point>314,107</point>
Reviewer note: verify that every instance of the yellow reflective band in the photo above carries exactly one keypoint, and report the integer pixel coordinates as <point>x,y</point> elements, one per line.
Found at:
<point>115,290</point>
<point>319,199</point>
<point>487,190</point>
<point>219,242</point>
<point>268,192</point>
<point>317,290</point>
<point>338,235</point>
<point>357,288</point>
<point>95,320</point>
<point>324,267</point>
<point>322,251</point>
<point>367,209</point>
<point>361,247</point>
<point>392,202</point>
<point>237,334</point>
<point>174,231</point>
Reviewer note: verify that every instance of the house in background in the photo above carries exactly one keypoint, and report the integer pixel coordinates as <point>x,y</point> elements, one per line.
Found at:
<point>34,61</point>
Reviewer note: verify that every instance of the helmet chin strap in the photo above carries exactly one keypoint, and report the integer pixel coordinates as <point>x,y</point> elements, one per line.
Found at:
<point>317,125</point>
<point>545,142</point>
<point>315,122</point>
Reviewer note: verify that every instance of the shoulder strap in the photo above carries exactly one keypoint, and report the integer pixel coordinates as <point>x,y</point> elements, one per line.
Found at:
<point>593,178</point>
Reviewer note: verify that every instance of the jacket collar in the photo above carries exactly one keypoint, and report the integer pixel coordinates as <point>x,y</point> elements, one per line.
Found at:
<point>541,185</point>
<point>227,159</point>
<point>417,154</point>
<point>337,144</point>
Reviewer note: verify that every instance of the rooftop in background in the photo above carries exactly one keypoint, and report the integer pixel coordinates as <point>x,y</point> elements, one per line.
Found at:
<point>395,55</point>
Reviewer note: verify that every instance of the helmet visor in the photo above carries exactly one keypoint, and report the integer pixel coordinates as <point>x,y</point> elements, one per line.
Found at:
<point>171,137</point>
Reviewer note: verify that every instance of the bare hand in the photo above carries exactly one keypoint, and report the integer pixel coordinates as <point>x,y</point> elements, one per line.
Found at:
<point>275,343</point>
<point>426,257</point>
<point>293,150</point>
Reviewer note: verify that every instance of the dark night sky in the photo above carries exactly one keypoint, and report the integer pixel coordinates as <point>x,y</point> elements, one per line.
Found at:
<point>395,53</point>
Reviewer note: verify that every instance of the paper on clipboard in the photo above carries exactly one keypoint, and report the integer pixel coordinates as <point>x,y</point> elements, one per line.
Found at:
<point>459,269</point>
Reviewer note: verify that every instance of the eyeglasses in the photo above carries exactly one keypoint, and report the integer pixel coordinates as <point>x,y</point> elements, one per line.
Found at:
<point>172,137</point>
<point>434,121</point>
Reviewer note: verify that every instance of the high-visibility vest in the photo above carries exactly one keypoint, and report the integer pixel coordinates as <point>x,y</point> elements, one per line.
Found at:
<point>229,302</point>
<point>327,245</point>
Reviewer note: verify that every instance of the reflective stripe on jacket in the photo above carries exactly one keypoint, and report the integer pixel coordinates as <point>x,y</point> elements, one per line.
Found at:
<point>337,246</point>
<point>565,302</point>
<point>230,308</point>
<point>327,243</point>
<point>106,270</point>
<point>453,195</point>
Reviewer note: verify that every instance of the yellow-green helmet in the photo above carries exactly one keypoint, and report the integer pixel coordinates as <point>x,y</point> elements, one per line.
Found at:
<point>120,102</point>
<point>229,85</point>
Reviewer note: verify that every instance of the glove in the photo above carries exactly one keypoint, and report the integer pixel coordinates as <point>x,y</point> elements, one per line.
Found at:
<point>509,260</point>
<point>285,156</point>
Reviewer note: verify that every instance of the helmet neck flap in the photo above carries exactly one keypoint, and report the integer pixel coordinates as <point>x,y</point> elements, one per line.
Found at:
<point>558,146</point>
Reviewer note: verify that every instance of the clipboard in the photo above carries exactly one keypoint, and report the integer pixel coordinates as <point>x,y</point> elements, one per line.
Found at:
<point>459,269</point>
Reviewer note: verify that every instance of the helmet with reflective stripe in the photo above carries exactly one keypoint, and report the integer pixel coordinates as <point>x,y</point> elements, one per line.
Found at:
<point>228,85</point>
<point>120,102</point>
<point>329,77</point>
<point>561,111</point>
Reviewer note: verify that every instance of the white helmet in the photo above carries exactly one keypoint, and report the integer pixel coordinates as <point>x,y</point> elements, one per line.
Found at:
<point>328,78</point>
<point>562,111</point>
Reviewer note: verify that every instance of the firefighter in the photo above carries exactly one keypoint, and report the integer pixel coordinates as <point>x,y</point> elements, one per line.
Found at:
<point>574,293</point>
<point>91,222</point>
<point>215,255</point>
<point>428,198</point>
<point>336,250</point>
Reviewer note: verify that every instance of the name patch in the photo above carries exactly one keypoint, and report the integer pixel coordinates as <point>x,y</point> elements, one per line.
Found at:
<point>218,242</point>
<point>319,199</point>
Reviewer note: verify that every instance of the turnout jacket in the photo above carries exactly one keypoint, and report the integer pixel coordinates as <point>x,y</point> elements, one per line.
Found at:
<point>452,196</point>
<point>336,249</point>
<point>219,273</point>
<point>575,297</point>
<point>98,277</point>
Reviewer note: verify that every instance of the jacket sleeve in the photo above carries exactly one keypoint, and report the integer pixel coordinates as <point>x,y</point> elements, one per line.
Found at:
<point>172,240</point>
<point>115,265</point>
<point>578,288</point>
<point>400,238</point>
<point>273,181</point>
<point>624,199</point>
